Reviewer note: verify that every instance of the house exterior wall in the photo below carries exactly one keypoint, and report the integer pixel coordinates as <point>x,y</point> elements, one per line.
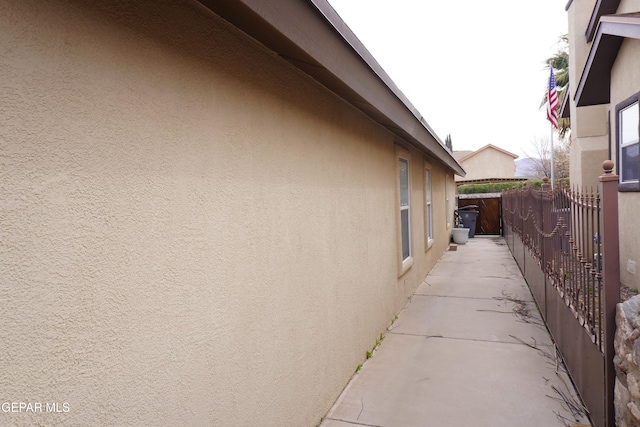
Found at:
<point>488,163</point>
<point>193,232</point>
<point>628,6</point>
<point>625,82</point>
<point>589,129</point>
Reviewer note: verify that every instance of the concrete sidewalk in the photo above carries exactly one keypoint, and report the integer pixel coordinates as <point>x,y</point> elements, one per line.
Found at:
<point>468,349</point>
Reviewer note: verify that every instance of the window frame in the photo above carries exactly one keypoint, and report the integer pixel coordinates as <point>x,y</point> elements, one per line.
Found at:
<point>629,185</point>
<point>428,207</point>
<point>405,207</point>
<point>404,263</point>
<point>447,202</point>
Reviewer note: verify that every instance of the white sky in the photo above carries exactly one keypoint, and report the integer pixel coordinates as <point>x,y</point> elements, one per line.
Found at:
<point>474,69</point>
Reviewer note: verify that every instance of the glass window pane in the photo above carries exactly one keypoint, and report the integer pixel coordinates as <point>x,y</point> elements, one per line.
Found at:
<point>404,220</point>
<point>427,186</point>
<point>629,124</point>
<point>630,160</point>
<point>404,182</point>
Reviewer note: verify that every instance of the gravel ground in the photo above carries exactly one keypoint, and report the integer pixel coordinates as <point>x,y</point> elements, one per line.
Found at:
<point>626,293</point>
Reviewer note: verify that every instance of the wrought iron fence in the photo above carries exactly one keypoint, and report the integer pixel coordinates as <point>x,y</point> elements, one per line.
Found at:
<point>566,243</point>
<point>562,229</point>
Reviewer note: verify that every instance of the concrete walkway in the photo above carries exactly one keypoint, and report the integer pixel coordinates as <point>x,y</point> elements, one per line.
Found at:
<point>468,349</point>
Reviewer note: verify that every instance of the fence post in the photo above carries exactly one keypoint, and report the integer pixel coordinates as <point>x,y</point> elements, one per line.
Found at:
<point>611,275</point>
<point>546,244</point>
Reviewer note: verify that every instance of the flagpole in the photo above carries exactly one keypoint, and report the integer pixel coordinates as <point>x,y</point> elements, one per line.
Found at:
<point>552,161</point>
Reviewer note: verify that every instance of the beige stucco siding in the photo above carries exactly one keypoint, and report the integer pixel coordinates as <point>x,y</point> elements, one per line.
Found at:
<point>628,6</point>
<point>488,163</point>
<point>625,82</point>
<point>589,129</point>
<point>193,232</point>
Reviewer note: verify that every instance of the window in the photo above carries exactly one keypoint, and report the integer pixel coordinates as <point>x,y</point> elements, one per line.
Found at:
<point>628,143</point>
<point>428,210</point>
<point>405,232</point>
<point>447,202</point>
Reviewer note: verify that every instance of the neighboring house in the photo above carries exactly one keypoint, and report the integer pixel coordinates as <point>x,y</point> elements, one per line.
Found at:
<point>489,163</point>
<point>604,43</point>
<point>210,210</point>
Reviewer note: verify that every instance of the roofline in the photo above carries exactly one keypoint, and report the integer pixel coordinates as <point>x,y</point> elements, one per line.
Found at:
<point>313,38</point>
<point>594,87</point>
<point>515,156</point>
<point>568,5</point>
<point>602,7</point>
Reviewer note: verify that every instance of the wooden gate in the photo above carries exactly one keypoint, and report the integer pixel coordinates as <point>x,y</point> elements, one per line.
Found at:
<point>489,221</point>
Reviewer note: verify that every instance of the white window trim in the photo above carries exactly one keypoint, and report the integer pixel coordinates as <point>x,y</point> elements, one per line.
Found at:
<point>628,144</point>
<point>447,202</point>
<point>406,263</point>
<point>428,208</point>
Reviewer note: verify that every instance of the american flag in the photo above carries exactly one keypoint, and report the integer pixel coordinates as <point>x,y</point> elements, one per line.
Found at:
<point>552,103</point>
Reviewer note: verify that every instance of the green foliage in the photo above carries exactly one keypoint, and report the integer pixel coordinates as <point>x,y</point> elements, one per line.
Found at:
<point>493,187</point>
<point>560,63</point>
<point>448,143</point>
<point>499,187</point>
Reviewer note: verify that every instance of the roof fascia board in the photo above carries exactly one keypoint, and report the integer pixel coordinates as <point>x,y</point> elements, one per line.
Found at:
<point>602,7</point>
<point>595,83</point>
<point>568,5</point>
<point>312,37</point>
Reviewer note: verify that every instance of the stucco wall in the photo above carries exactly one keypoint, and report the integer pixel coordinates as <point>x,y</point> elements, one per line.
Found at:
<point>625,82</point>
<point>589,129</point>
<point>193,233</point>
<point>488,163</point>
<point>628,6</point>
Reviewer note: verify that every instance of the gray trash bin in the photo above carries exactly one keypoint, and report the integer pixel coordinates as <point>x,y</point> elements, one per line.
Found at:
<point>469,216</point>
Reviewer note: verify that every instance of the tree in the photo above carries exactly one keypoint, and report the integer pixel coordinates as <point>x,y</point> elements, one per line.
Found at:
<point>447,142</point>
<point>560,63</point>
<point>541,157</point>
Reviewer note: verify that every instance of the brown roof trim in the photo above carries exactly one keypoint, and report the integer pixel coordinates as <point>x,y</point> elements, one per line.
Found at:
<point>602,7</point>
<point>312,37</point>
<point>595,83</point>
<point>568,5</point>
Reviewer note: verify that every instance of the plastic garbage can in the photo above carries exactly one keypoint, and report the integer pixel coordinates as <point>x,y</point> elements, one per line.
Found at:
<point>469,216</point>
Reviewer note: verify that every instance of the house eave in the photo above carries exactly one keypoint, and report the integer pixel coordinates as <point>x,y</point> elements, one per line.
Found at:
<point>312,37</point>
<point>595,82</point>
<point>602,7</point>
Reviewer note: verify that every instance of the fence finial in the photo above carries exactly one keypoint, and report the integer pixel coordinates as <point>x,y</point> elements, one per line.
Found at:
<point>607,165</point>
<point>545,184</point>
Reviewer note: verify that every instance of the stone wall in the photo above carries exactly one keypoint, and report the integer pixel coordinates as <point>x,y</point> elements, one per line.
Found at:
<point>627,363</point>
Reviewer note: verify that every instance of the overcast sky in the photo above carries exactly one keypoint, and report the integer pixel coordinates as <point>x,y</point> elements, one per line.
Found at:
<point>474,69</point>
